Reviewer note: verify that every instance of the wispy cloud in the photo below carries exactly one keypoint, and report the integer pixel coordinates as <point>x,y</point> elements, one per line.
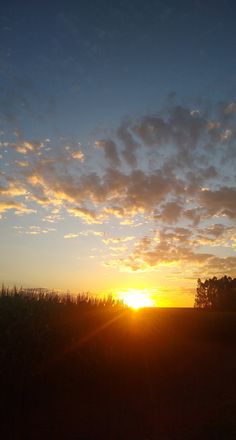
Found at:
<point>84,234</point>
<point>33,230</point>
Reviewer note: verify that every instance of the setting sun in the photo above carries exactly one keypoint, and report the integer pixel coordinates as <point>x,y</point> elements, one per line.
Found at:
<point>137,298</point>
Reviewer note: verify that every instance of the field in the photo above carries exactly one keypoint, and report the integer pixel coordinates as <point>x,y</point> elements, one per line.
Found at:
<point>85,370</point>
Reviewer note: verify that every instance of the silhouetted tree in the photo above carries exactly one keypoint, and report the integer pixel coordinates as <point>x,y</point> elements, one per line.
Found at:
<point>216,294</point>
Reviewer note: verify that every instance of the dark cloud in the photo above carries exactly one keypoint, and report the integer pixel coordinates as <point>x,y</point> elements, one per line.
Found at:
<point>153,131</point>
<point>170,212</point>
<point>130,145</point>
<point>110,150</point>
<point>219,202</point>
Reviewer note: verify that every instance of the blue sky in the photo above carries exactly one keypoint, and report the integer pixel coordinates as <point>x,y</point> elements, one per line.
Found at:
<point>117,151</point>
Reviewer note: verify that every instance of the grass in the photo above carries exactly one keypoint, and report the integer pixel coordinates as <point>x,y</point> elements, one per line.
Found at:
<point>80,368</point>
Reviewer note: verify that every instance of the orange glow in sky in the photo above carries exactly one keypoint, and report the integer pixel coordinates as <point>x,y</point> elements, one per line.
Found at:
<point>137,298</point>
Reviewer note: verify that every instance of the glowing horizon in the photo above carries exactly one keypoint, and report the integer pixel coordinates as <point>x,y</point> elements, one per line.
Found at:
<point>137,298</point>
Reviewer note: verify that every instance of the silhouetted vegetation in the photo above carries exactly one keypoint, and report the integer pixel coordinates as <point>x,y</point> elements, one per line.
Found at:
<point>76,368</point>
<point>216,294</point>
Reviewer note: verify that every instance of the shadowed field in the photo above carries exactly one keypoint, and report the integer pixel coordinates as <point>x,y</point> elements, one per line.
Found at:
<point>79,369</point>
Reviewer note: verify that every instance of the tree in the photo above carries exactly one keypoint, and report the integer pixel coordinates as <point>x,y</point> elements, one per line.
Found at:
<point>216,294</point>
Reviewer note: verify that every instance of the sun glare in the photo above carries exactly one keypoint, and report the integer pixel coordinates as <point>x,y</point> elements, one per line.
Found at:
<point>136,299</point>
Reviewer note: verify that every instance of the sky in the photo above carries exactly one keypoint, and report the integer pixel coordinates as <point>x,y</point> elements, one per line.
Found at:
<point>118,146</point>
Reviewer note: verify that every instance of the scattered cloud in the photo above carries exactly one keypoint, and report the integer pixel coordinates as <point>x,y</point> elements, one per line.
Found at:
<point>71,235</point>
<point>172,174</point>
<point>33,230</point>
<point>19,208</point>
<point>84,234</point>
<point>117,240</point>
<point>175,247</point>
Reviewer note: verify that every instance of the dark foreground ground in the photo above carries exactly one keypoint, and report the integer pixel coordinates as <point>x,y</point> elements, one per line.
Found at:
<point>102,373</point>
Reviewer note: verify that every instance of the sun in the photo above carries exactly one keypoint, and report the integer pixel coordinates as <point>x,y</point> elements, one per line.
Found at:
<point>137,298</point>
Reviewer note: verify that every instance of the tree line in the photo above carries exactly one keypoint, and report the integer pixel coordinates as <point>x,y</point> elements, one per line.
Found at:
<point>216,294</point>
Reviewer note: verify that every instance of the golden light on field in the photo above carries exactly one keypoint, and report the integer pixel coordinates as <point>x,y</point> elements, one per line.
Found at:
<point>137,298</point>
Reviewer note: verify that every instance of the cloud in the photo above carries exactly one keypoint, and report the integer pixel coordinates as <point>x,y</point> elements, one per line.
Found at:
<point>13,190</point>
<point>173,170</point>
<point>84,234</point>
<point>89,216</point>
<point>22,163</point>
<point>110,150</point>
<point>118,249</point>
<point>125,136</point>
<point>153,131</point>
<point>176,247</point>
<point>194,215</point>
<point>180,130</point>
<point>215,232</point>
<point>25,147</point>
<point>117,240</point>
<point>33,230</point>
<point>220,202</point>
<point>170,212</point>
<point>6,204</point>
<point>53,217</point>
<point>19,208</point>
<point>114,193</point>
<point>179,138</point>
<point>79,155</point>
<point>229,108</point>
<point>138,191</point>
<point>220,266</point>
<point>71,235</point>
